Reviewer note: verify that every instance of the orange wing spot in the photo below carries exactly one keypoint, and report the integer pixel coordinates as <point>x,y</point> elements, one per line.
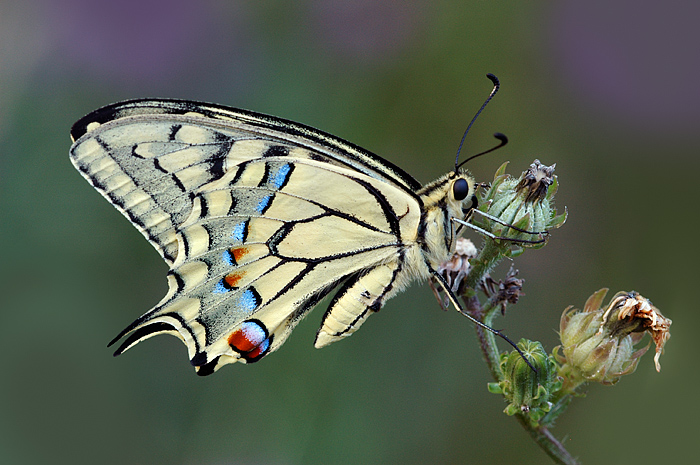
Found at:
<point>239,341</point>
<point>247,338</point>
<point>233,278</point>
<point>238,252</point>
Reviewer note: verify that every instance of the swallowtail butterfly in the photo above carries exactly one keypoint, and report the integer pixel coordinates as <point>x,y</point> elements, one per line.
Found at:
<point>259,218</point>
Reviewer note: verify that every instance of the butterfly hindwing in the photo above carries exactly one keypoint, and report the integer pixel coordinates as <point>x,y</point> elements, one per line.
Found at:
<point>258,219</point>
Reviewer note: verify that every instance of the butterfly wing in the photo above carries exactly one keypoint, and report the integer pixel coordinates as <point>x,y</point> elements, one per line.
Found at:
<point>257,217</point>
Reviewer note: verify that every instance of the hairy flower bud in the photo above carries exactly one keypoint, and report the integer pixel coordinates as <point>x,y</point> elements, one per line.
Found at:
<point>528,392</point>
<point>520,205</point>
<point>598,343</point>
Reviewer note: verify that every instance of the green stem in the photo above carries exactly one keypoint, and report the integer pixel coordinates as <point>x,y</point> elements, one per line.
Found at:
<point>546,440</point>
<point>572,381</point>
<point>487,340</point>
<point>491,254</point>
<point>559,407</point>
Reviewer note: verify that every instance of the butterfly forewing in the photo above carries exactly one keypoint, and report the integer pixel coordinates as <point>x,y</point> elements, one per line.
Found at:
<point>258,218</point>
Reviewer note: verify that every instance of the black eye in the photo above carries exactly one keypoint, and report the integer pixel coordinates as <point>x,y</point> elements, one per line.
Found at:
<point>460,189</point>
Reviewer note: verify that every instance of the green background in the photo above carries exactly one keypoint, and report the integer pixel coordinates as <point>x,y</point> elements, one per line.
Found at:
<point>606,90</point>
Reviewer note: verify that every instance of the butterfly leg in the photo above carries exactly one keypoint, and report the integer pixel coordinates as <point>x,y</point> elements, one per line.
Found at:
<point>542,234</point>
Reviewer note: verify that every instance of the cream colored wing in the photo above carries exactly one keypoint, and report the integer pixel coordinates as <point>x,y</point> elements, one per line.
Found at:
<point>258,219</point>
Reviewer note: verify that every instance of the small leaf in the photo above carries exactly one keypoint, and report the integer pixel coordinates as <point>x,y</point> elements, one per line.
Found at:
<point>595,301</point>
<point>524,222</point>
<point>494,388</point>
<point>511,410</point>
<point>515,252</point>
<point>501,170</point>
<point>553,188</point>
<point>557,221</point>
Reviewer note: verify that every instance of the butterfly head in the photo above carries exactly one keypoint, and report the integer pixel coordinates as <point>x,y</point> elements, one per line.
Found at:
<point>454,193</point>
<point>451,196</point>
<point>462,195</point>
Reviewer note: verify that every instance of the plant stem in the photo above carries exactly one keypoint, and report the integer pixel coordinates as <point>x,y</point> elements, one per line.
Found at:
<point>548,442</point>
<point>487,341</point>
<point>559,407</point>
<point>490,254</point>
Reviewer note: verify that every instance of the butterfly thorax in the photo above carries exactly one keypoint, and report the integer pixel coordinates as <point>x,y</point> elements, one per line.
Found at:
<point>436,234</point>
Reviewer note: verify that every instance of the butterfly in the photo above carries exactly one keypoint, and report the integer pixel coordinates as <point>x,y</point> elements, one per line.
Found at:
<point>259,218</point>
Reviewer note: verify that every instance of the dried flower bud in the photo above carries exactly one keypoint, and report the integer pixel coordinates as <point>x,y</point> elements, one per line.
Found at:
<point>536,181</point>
<point>504,292</point>
<point>598,343</point>
<point>525,203</point>
<point>528,392</point>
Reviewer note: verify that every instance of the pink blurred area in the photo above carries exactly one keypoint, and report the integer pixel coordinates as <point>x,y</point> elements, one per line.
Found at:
<point>145,40</point>
<point>636,64</point>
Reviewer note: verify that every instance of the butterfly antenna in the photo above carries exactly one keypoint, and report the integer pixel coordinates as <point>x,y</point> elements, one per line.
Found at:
<point>453,298</point>
<point>503,141</point>
<point>496,86</point>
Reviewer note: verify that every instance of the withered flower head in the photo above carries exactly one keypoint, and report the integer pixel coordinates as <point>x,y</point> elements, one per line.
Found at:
<point>459,262</point>
<point>630,311</point>
<point>504,292</point>
<point>598,343</point>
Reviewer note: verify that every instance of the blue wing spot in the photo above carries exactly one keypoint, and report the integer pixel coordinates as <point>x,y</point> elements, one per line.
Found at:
<point>221,288</point>
<point>254,332</point>
<point>227,256</point>
<point>264,203</point>
<point>264,345</point>
<point>281,176</point>
<point>239,231</point>
<point>251,340</point>
<point>249,300</point>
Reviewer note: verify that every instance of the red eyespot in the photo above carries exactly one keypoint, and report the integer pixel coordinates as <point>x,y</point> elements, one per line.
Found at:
<point>251,340</point>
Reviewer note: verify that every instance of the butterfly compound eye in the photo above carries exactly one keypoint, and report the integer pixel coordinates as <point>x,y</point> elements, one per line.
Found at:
<point>460,189</point>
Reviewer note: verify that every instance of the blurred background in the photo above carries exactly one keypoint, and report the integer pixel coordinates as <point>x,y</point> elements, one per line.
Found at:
<point>607,90</point>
